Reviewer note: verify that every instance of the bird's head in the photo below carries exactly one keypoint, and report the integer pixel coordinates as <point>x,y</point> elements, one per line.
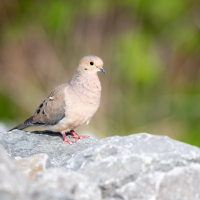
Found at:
<point>91,64</point>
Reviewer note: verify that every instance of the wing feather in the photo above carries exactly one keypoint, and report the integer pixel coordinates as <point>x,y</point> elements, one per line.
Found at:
<point>50,111</point>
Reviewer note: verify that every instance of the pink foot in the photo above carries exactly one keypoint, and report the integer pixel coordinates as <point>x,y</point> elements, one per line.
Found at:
<point>75,135</point>
<point>65,139</point>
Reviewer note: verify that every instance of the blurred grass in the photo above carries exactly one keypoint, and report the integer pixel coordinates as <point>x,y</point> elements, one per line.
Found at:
<point>150,49</point>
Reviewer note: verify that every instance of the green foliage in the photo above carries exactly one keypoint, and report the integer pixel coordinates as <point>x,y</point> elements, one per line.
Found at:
<point>57,17</point>
<point>8,110</point>
<point>152,48</point>
<point>137,58</point>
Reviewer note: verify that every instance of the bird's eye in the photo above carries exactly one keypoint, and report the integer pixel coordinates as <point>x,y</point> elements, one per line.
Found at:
<point>91,63</point>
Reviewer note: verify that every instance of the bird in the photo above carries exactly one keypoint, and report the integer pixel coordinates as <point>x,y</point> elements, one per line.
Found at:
<point>70,104</point>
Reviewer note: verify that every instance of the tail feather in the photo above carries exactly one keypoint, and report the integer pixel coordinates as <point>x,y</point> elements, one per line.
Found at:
<point>19,127</point>
<point>28,125</point>
<point>30,128</point>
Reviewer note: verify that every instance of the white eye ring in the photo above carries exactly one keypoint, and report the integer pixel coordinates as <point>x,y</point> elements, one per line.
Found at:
<point>91,63</point>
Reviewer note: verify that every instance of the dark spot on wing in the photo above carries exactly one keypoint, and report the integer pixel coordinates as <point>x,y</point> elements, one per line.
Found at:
<point>41,105</point>
<point>38,111</point>
<point>43,112</point>
<point>46,104</point>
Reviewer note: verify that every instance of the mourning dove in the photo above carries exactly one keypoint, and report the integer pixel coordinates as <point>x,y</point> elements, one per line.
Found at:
<point>70,104</point>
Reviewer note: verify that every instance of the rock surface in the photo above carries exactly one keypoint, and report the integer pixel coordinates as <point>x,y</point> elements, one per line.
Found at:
<point>125,167</point>
<point>33,164</point>
<point>60,183</point>
<point>138,167</point>
<point>23,144</point>
<point>13,183</point>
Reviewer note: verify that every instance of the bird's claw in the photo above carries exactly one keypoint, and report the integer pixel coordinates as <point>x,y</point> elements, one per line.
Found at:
<point>65,139</point>
<point>69,141</point>
<point>75,135</point>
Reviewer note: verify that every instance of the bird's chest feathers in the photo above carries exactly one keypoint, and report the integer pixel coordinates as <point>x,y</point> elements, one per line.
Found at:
<point>87,90</point>
<point>85,97</point>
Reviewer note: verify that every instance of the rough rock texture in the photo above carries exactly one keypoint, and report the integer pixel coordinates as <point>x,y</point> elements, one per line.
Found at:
<point>60,183</point>
<point>33,164</point>
<point>23,144</point>
<point>142,166</point>
<point>135,167</point>
<point>13,183</point>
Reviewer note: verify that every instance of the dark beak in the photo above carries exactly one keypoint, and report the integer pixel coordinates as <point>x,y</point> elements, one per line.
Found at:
<point>102,70</point>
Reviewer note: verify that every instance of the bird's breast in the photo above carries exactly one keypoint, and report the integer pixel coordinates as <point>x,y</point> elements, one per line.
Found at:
<point>81,105</point>
<point>86,104</point>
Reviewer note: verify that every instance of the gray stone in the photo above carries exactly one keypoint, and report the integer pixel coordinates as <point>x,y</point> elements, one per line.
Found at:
<point>181,183</point>
<point>22,144</point>
<point>13,183</point>
<point>33,164</point>
<point>60,183</point>
<point>112,198</point>
<point>135,163</point>
<point>135,167</point>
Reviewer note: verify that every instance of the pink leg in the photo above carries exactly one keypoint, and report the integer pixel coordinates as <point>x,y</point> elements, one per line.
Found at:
<point>75,135</point>
<point>65,138</point>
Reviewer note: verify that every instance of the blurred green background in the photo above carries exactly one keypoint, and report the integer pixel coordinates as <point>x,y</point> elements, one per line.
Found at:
<point>150,49</point>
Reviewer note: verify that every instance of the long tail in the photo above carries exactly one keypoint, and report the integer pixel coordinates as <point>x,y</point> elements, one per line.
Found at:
<point>19,127</point>
<point>28,125</point>
<point>29,128</point>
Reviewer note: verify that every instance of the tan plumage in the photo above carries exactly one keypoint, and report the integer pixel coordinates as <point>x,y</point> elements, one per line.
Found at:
<point>70,104</point>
